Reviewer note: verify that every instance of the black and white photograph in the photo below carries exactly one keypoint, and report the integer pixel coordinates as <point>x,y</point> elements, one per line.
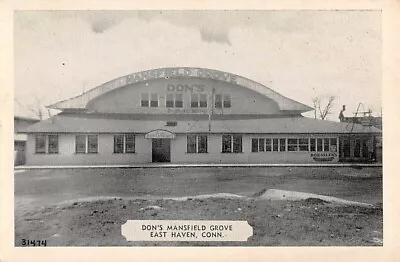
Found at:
<point>198,128</point>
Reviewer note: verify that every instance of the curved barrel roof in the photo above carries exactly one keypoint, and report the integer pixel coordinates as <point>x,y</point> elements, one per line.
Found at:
<point>80,102</point>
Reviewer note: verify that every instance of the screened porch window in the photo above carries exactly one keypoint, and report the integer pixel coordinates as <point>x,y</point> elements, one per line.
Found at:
<point>293,144</point>
<point>303,144</point>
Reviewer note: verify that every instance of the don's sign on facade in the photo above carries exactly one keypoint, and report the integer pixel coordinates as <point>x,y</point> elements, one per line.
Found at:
<point>159,133</point>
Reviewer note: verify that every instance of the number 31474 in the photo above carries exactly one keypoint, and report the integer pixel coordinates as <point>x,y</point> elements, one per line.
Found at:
<point>33,243</point>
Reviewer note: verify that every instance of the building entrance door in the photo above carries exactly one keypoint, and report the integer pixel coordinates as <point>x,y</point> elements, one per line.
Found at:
<point>161,150</point>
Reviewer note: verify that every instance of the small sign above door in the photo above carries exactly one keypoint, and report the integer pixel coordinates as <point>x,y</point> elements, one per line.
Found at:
<point>160,133</point>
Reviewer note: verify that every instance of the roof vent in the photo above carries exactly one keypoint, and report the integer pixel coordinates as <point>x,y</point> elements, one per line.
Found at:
<point>171,123</point>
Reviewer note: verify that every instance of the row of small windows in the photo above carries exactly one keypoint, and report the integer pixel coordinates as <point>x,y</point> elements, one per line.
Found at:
<point>199,144</point>
<point>125,143</point>
<point>84,144</point>
<point>231,143</point>
<point>293,144</point>
<point>176,100</point>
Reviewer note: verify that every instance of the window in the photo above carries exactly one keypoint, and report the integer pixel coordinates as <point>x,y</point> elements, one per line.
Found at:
<point>174,100</point>
<point>226,143</point>
<point>197,144</point>
<point>194,100</point>
<point>265,145</point>
<point>258,145</point>
<point>268,146</point>
<point>222,101</point>
<point>364,148</point>
<point>312,144</point>
<point>357,148</point>
<point>275,144</point>
<point>297,144</point>
<point>129,143</point>
<point>319,144</point>
<point>191,144</point>
<point>178,100</point>
<point>303,144</point>
<point>293,144</point>
<point>333,145</point>
<point>227,101</point>
<point>326,144</point>
<point>254,145</point>
<point>53,144</point>
<point>86,144</point>
<point>202,144</point>
<point>346,148</point>
<point>237,143</point>
<point>40,144</point>
<point>124,143</point>
<point>169,102</point>
<point>203,100</point>
<point>232,144</point>
<point>261,145</point>
<point>119,144</point>
<point>154,100</point>
<point>198,100</point>
<point>145,100</point>
<point>92,143</point>
<point>80,144</point>
<point>218,101</point>
<point>282,144</point>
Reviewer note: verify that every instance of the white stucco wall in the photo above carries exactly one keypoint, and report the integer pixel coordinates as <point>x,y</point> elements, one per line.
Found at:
<point>143,146</point>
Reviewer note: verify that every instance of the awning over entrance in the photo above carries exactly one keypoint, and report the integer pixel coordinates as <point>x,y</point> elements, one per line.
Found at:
<point>160,133</point>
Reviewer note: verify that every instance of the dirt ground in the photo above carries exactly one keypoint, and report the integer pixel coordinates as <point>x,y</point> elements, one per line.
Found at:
<point>88,207</point>
<point>275,223</point>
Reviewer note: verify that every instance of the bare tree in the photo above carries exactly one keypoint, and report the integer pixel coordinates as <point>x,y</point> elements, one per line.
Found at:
<point>36,109</point>
<point>322,106</point>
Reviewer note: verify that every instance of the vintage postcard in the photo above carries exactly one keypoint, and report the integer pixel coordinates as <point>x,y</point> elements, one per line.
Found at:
<point>198,127</point>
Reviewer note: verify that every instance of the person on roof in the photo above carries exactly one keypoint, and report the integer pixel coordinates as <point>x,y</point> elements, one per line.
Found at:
<point>341,115</point>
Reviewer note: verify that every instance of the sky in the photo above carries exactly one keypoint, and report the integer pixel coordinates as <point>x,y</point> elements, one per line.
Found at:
<point>299,54</point>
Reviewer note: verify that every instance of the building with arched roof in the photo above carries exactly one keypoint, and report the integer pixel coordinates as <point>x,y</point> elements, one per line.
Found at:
<point>191,115</point>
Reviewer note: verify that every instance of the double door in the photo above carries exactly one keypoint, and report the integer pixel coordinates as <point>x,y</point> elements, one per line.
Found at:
<point>161,150</point>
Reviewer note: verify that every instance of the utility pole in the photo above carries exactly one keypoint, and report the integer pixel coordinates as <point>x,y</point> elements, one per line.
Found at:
<point>211,111</point>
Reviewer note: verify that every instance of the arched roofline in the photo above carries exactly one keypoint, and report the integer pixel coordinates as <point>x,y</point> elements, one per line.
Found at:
<point>81,101</point>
